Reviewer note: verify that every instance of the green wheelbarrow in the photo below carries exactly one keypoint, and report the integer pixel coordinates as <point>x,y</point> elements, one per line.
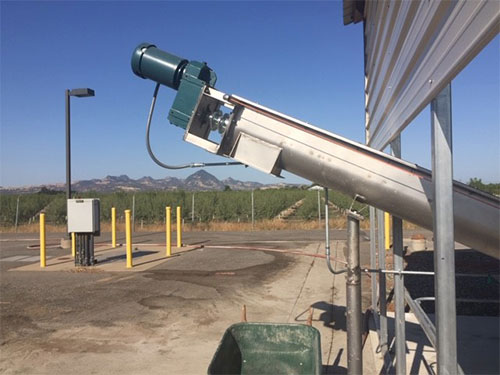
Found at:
<point>268,348</point>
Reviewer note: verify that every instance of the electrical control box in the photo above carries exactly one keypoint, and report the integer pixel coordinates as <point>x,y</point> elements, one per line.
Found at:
<point>84,216</point>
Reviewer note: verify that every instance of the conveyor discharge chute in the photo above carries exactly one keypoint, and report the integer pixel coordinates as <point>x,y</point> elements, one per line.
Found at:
<point>271,142</point>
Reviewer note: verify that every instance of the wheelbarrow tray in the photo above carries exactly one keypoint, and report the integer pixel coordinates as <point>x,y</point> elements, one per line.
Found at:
<point>268,348</point>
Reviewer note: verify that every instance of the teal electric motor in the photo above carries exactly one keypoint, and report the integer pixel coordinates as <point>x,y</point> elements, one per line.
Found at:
<point>189,78</point>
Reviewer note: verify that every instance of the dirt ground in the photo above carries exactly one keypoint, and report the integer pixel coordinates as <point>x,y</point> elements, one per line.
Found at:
<point>170,317</point>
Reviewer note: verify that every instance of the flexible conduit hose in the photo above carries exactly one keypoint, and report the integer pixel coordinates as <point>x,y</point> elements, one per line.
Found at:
<point>180,166</point>
<point>327,239</point>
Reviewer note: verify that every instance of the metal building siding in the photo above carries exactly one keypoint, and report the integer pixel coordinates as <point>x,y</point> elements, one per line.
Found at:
<point>413,49</point>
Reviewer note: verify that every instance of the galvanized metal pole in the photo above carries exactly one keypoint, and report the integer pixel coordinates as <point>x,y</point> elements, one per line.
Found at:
<point>399,289</point>
<point>319,207</point>
<point>327,218</point>
<point>133,213</point>
<point>353,284</point>
<point>373,258</point>
<point>382,284</point>
<point>17,213</point>
<point>68,154</point>
<point>444,239</point>
<point>253,212</point>
<point>192,209</point>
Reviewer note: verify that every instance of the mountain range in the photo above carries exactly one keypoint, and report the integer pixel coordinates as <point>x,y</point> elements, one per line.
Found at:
<point>198,181</point>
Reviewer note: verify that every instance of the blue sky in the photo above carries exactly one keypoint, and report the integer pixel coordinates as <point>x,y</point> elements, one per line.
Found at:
<point>295,57</point>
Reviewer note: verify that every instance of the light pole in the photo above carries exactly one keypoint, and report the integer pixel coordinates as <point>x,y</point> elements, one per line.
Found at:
<point>80,93</point>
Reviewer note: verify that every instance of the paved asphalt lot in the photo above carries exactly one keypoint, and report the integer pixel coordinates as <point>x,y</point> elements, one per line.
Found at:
<point>169,318</point>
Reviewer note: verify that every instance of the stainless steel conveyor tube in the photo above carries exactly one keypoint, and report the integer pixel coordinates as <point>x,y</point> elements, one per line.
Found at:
<point>271,142</point>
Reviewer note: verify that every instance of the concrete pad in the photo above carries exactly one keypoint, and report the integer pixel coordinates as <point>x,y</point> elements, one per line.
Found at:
<point>420,355</point>
<point>34,259</point>
<point>338,351</point>
<point>14,258</point>
<point>23,258</point>
<point>478,345</point>
<point>111,259</point>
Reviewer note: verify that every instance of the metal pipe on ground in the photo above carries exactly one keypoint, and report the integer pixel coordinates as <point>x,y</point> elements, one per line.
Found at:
<point>353,286</point>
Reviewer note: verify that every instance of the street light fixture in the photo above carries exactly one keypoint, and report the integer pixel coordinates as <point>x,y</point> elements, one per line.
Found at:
<point>79,93</point>
<point>82,93</point>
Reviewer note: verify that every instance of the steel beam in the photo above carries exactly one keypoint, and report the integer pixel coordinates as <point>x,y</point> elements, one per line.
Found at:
<point>399,298</point>
<point>424,321</point>
<point>444,239</point>
<point>383,341</point>
<point>373,258</point>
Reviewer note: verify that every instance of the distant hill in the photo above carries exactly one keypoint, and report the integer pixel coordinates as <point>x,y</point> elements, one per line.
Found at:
<point>198,181</point>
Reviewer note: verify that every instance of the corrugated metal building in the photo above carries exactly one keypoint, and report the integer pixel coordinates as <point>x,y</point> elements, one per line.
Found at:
<point>413,50</point>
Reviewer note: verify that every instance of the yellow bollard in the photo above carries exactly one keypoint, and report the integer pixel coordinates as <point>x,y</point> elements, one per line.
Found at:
<point>113,226</point>
<point>169,230</point>
<point>42,241</point>
<point>179,229</point>
<point>387,227</point>
<point>128,236</point>
<point>73,244</point>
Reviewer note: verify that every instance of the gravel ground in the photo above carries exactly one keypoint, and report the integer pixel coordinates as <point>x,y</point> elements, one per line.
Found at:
<point>484,286</point>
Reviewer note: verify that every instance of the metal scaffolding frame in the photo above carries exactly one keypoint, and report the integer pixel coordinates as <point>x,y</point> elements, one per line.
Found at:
<point>394,45</point>
<point>442,337</point>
